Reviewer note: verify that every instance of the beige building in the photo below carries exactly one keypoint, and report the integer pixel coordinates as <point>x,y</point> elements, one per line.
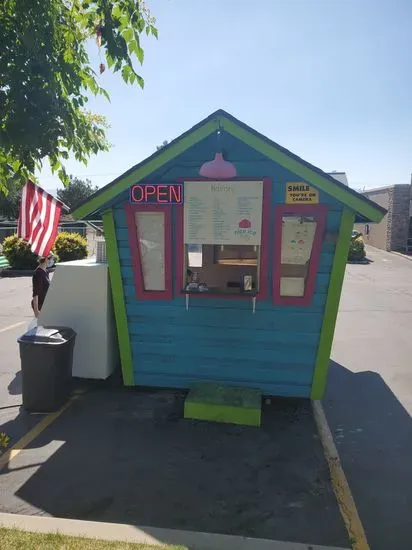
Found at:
<point>393,232</point>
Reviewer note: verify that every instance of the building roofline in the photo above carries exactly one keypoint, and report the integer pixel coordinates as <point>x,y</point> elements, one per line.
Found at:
<point>220,119</point>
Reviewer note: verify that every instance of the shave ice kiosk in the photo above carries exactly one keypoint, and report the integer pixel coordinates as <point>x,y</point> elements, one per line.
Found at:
<point>226,255</point>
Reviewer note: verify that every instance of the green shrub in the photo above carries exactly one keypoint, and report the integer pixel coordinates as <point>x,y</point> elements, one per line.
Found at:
<point>4,440</point>
<point>70,246</point>
<point>18,253</point>
<point>356,248</point>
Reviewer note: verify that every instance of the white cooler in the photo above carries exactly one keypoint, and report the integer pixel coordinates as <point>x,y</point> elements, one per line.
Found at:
<point>79,297</point>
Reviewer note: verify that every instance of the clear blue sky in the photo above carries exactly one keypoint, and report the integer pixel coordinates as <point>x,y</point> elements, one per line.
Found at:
<point>331,80</point>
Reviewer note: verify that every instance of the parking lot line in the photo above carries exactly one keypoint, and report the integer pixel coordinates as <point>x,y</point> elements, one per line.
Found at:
<point>346,502</point>
<point>11,453</point>
<point>13,326</point>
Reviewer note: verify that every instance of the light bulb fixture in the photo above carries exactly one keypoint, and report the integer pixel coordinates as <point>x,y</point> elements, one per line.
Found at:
<point>218,168</point>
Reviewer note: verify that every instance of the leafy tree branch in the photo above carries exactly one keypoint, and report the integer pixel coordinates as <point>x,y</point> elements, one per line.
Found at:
<point>46,78</point>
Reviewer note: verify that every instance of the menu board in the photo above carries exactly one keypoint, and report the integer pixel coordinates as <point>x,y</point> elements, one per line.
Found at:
<point>222,212</point>
<point>151,234</point>
<point>297,240</point>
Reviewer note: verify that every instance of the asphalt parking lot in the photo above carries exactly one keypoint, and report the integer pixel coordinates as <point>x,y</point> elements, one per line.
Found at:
<point>130,457</point>
<point>368,405</point>
<point>369,396</point>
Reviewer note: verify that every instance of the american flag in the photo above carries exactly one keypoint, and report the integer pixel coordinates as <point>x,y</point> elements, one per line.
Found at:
<point>39,218</point>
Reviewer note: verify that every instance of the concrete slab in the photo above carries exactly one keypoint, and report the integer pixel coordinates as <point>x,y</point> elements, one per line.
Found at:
<point>130,457</point>
<point>147,535</point>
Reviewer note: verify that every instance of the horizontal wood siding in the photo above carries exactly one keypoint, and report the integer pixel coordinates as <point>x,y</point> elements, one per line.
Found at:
<point>273,349</point>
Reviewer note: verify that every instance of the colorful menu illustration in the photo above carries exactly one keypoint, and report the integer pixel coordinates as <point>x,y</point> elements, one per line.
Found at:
<point>297,240</point>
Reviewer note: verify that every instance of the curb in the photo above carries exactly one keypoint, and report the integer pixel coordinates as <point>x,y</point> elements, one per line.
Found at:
<point>401,255</point>
<point>340,484</point>
<point>147,535</point>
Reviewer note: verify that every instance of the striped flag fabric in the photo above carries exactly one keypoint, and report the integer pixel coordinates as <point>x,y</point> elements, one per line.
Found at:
<point>39,218</point>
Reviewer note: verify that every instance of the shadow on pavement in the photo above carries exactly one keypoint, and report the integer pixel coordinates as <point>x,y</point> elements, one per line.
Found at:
<point>16,422</point>
<point>15,387</point>
<point>128,456</point>
<point>373,434</point>
<point>125,456</point>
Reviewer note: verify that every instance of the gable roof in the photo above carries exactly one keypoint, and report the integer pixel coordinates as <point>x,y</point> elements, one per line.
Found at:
<point>367,209</point>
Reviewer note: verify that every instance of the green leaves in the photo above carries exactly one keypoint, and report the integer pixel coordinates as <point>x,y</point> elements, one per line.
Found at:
<point>128,35</point>
<point>70,246</point>
<point>46,78</point>
<point>135,48</point>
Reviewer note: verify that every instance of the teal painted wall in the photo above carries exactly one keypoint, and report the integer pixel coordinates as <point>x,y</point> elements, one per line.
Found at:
<point>221,339</point>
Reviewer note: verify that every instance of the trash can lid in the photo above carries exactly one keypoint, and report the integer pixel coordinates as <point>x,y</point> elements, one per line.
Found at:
<point>44,335</point>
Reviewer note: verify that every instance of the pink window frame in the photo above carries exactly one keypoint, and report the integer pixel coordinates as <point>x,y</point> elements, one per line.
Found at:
<point>318,211</point>
<point>141,293</point>
<point>264,250</point>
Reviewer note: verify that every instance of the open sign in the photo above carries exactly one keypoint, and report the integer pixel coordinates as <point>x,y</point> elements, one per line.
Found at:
<point>160,193</point>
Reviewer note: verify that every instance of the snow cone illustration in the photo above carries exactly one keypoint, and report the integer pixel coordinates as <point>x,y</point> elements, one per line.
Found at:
<point>245,224</point>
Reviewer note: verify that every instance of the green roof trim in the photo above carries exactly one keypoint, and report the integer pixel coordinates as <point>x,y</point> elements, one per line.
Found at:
<point>145,168</point>
<point>301,168</point>
<point>223,120</point>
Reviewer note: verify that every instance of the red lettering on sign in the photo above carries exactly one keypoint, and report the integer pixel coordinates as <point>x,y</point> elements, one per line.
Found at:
<point>137,193</point>
<point>162,193</point>
<point>177,192</point>
<point>150,190</point>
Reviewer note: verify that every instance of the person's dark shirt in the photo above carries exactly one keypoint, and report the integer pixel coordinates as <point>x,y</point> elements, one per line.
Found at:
<point>41,283</point>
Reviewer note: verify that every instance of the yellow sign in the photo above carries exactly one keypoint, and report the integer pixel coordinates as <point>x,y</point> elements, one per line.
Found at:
<point>301,193</point>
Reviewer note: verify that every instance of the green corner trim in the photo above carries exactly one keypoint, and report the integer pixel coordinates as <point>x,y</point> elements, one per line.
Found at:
<point>332,304</point>
<point>358,204</point>
<point>146,168</point>
<point>119,305</point>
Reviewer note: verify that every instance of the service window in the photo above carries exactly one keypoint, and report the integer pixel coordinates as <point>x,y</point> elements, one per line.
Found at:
<point>298,237</point>
<point>150,245</point>
<point>223,238</point>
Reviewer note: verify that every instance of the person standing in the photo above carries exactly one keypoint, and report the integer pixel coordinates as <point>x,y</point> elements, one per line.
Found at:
<point>41,283</point>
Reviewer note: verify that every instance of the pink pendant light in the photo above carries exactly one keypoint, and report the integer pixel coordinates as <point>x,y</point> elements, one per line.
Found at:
<point>218,168</point>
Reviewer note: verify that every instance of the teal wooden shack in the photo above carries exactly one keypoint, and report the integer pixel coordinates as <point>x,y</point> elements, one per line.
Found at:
<point>227,255</point>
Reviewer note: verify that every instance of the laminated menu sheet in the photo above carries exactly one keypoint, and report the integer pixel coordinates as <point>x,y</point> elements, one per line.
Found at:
<point>219,212</point>
<point>297,240</point>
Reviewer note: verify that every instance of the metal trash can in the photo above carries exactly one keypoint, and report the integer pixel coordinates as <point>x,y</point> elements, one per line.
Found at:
<point>46,355</point>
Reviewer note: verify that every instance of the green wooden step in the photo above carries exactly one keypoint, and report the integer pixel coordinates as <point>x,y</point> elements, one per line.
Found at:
<point>210,401</point>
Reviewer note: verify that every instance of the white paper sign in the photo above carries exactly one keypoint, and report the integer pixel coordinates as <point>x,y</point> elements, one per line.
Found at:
<point>151,234</point>
<point>292,286</point>
<point>297,240</point>
<point>223,212</point>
